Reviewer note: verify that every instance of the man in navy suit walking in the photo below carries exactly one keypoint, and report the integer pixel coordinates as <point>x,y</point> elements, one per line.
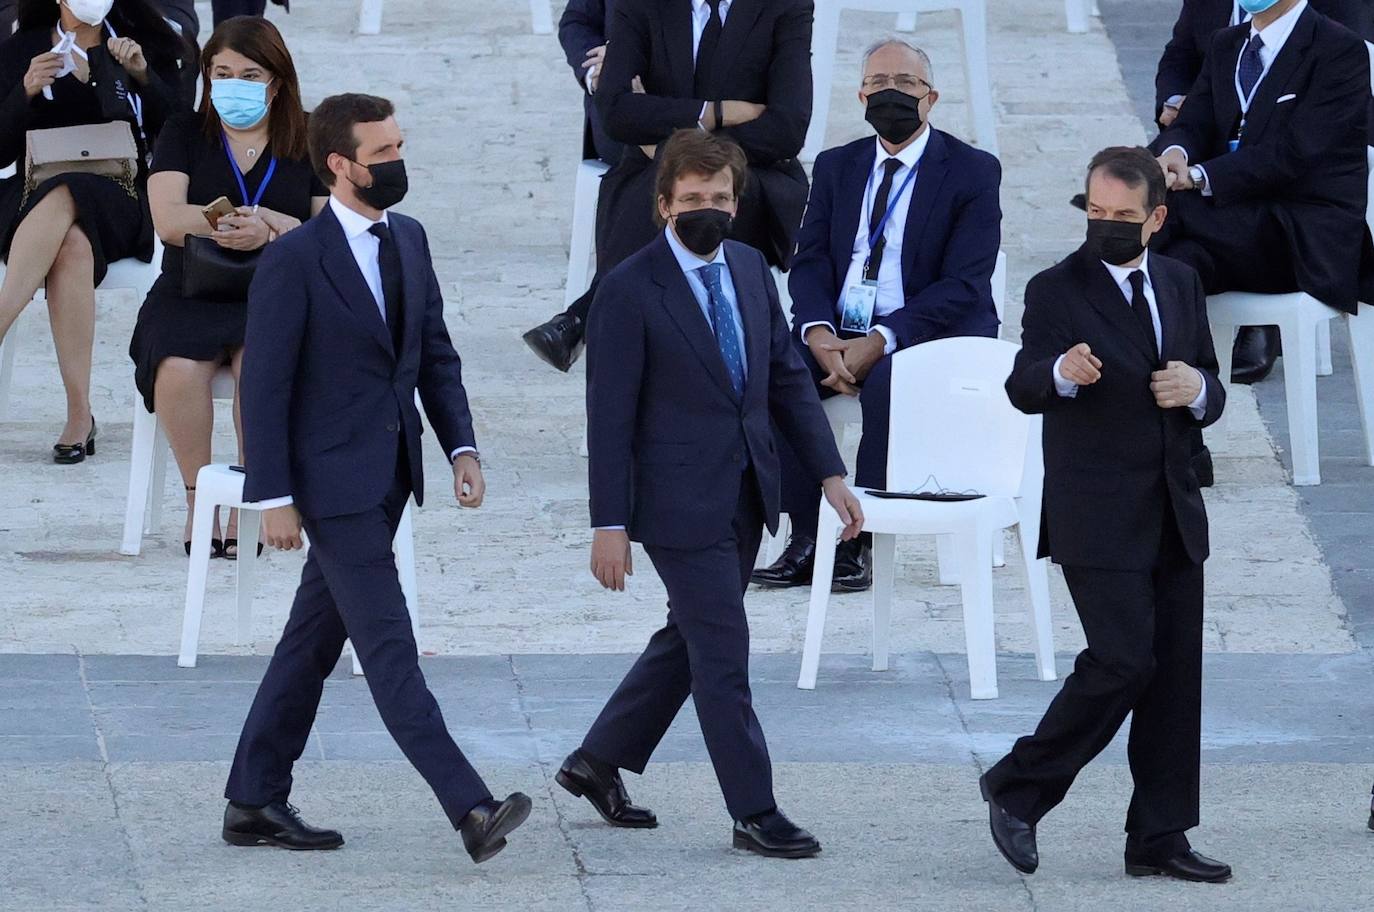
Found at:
<point>345,324</point>
<point>897,248</point>
<point>689,353</point>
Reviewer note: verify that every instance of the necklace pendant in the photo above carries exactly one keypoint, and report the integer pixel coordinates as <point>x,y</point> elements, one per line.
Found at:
<point>252,153</point>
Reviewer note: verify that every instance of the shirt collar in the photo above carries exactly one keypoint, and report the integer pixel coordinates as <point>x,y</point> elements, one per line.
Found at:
<point>908,156</point>
<point>353,223</point>
<point>1121,273</point>
<point>699,5</point>
<point>1277,32</point>
<point>688,261</point>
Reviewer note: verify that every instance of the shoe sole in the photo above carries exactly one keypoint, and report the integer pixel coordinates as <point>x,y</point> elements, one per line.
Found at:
<point>576,791</point>
<point>773,584</point>
<point>983,788</point>
<point>529,339</point>
<point>851,587</point>
<point>1137,870</point>
<point>503,824</point>
<point>252,840</point>
<point>748,845</point>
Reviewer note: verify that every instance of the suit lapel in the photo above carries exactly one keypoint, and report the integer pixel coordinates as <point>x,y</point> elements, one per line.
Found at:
<point>347,279</point>
<point>849,207</point>
<point>1170,318</point>
<point>739,24</point>
<point>1224,100</point>
<point>752,299</point>
<point>930,176</point>
<point>1106,298</point>
<point>1290,57</point>
<point>414,279</point>
<point>682,306</point>
<point>675,19</point>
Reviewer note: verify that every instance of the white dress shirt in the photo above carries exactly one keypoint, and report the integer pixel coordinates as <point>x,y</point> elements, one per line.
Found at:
<point>1121,275</point>
<point>366,248</point>
<point>891,293</point>
<point>701,14</point>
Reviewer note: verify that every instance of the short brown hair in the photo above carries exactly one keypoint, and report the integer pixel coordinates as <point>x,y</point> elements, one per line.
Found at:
<point>696,152</point>
<point>1134,166</point>
<point>331,127</point>
<point>258,40</point>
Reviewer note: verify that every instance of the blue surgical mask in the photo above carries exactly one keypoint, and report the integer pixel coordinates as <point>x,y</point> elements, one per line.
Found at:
<point>1255,7</point>
<point>239,103</point>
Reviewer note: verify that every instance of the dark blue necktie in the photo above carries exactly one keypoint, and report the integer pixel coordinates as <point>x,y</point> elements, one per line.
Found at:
<point>723,322</point>
<point>1251,65</point>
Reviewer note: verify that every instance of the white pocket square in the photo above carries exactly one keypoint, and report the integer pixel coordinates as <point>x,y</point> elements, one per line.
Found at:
<point>1284,98</point>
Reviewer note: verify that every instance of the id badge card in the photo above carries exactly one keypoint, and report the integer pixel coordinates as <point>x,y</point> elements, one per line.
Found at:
<point>859,301</point>
<point>1232,145</point>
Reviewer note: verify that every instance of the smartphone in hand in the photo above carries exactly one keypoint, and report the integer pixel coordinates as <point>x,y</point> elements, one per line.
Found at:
<point>217,210</point>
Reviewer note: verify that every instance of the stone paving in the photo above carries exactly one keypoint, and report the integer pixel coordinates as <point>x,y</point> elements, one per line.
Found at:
<point>116,757</point>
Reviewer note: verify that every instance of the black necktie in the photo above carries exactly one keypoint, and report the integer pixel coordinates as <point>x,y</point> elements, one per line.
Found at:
<point>389,259</point>
<point>706,50</point>
<point>875,215</point>
<point>1141,307</point>
<point>1251,65</point>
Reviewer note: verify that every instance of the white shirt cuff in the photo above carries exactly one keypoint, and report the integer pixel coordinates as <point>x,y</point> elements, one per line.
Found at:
<point>1206,187</point>
<point>1172,148</point>
<point>1066,388</point>
<point>608,528</point>
<point>1173,101</point>
<point>701,118</point>
<point>587,75</point>
<point>806,327</point>
<point>889,339</point>
<point>460,451</point>
<point>1199,405</point>
<point>273,502</point>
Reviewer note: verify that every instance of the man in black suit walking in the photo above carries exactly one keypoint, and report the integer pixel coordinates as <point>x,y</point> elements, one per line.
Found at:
<point>345,324</point>
<point>582,33</point>
<point>740,68</point>
<point>689,354</point>
<point>1117,355</point>
<point>1267,167</point>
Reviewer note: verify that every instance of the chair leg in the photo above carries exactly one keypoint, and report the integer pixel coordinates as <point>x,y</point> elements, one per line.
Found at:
<point>1076,12</point>
<point>776,543</point>
<point>1299,338</point>
<point>824,573</point>
<point>541,17</point>
<point>585,190</point>
<point>975,574</point>
<point>884,574</point>
<point>999,549</point>
<point>1223,338</point>
<point>157,486</point>
<point>974,21</point>
<point>404,546</point>
<point>370,17</point>
<point>825,37</point>
<point>947,559</point>
<point>1361,326</point>
<point>357,663</point>
<point>202,525</point>
<point>1038,588</point>
<point>140,479</point>
<point>8,346</point>
<point>1324,368</point>
<point>249,521</point>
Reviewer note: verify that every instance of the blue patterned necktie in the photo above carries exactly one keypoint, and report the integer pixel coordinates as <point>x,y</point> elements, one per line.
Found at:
<point>723,323</point>
<point>1251,65</point>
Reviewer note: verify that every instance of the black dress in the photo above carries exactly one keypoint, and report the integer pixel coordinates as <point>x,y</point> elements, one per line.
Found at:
<point>170,325</point>
<point>117,225</point>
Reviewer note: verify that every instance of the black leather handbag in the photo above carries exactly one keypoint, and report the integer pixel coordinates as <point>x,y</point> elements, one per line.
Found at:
<point>214,273</point>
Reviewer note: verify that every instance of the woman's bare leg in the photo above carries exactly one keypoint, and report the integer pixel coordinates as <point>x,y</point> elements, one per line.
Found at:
<point>33,250</point>
<point>71,311</point>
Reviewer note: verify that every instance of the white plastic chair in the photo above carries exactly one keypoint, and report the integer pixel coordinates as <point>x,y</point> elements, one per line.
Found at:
<point>969,437</point>
<point>122,275</point>
<point>1078,13</point>
<point>148,468</point>
<point>582,240</point>
<point>370,17</point>
<point>218,485</point>
<point>825,37</point>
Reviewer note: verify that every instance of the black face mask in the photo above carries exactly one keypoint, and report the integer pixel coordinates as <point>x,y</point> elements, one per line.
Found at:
<point>702,230</point>
<point>1114,242</point>
<point>894,114</point>
<point>389,184</point>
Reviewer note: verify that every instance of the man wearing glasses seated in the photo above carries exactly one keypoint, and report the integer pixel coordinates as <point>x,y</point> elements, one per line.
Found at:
<point>897,248</point>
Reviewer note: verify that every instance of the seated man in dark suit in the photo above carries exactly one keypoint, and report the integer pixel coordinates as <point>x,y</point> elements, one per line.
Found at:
<point>1117,355</point>
<point>689,355</point>
<point>740,69</point>
<point>1267,167</point>
<point>582,33</point>
<point>1199,20</point>
<point>919,272</point>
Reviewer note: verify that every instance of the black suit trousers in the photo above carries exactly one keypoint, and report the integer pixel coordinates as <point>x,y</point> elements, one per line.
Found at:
<point>350,590</point>
<point>702,651</point>
<point>1238,247</point>
<point>1144,657</point>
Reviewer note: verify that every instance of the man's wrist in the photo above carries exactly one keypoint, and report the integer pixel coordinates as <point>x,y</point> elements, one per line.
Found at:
<point>465,451</point>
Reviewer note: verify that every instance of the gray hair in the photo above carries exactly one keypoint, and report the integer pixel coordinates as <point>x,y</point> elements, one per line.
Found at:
<point>894,41</point>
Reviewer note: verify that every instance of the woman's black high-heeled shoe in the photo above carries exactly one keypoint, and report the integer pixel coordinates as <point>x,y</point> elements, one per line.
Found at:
<point>234,543</point>
<point>72,453</point>
<point>216,546</point>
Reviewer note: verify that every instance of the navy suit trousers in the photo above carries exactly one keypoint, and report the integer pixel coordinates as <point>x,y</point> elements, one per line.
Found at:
<point>703,650</point>
<point>350,590</point>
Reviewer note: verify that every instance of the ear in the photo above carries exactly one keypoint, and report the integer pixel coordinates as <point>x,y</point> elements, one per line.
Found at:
<point>338,165</point>
<point>863,99</point>
<point>932,97</point>
<point>663,208</point>
<point>272,91</point>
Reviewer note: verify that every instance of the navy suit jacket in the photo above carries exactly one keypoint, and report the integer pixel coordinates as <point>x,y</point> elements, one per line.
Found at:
<point>581,28</point>
<point>949,249</point>
<point>1113,458</point>
<point>668,437</point>
<point>325,399</point>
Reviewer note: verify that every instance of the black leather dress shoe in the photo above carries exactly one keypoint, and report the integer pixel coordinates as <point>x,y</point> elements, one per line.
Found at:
<point>559,341</point>
<point>1254,354</point>
<point>1202,468</point>
<point>278,824</point>
<point>793,568</point>
<point>853,565</point>
<point>606,793</point>
<point>1186,865</point>
<point>1014,838</point>
<point>486,826</point>
<point>774,836</point>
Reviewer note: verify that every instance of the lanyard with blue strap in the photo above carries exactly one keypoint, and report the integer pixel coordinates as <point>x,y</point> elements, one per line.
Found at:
<point>238,176</point>
<point>860,301</point>
<point>882,223</point>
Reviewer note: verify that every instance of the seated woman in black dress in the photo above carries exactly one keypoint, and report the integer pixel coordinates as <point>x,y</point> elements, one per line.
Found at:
<point>246,143</point>
<point>120,62</point>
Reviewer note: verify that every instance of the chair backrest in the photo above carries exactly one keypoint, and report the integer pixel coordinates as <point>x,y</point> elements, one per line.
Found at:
<point>950,418</point>
<point>999,286</point>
